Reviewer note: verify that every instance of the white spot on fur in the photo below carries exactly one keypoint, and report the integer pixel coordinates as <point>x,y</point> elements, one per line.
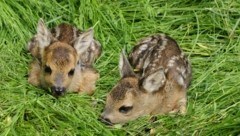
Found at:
<point>166,70</point>
<point>152,69</point>
<point>154,65</point>
<point>172,61</point>
<point>182,71</point>
<point>146,63</point>
<point>162,35</point>
<point>146,40</point>
<point>164,43</point>
<point>180,81</point>
<point>182,55</point>
<point>160,50</point>
<point>155,60</point>
<point>143,47</point>
<point>57,30</point>
<point>74,32</point>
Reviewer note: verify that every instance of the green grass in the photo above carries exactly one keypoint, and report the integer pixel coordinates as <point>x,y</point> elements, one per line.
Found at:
<point>208,31</point>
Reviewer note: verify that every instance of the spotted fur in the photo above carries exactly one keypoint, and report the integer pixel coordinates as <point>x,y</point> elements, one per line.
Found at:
<point>154,80</point>
<point>63,59</point>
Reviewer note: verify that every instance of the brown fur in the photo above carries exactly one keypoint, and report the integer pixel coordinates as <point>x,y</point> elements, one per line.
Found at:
<point>88,81</point>
<point>61,58</point>
<point>61,55</point>
<point>61,52</point>
<point>34,50</point>
<point>118,92</point>
<point>158,85</point>
<point>34,73</point>
<point>66,33</point>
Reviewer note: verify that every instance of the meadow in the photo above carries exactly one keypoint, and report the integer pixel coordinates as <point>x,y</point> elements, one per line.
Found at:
<point>208,31</point>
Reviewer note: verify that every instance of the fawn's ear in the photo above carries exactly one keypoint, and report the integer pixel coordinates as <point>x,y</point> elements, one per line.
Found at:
<point>84,41</point>
<point>124,66</point>
<point>154,81</point>
<point>43,36</point>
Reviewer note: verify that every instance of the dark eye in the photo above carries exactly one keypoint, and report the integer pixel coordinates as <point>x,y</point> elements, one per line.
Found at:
<point>125,109</point>
<point>48,70</point>
<point>71,72</point>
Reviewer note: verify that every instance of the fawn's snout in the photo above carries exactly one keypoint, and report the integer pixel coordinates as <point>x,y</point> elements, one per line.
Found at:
<point>105,119</point>
<point>58,91</point>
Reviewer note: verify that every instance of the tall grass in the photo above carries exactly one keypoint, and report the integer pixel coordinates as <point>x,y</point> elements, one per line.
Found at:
<point>208,31</point>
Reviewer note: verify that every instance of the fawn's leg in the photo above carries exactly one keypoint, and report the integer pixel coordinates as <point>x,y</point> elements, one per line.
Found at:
<point>88,82</point>
<point>34,73</point>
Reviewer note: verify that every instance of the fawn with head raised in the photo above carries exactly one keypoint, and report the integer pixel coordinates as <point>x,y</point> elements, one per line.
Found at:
<point>154,80</point>
<point>63,59</point>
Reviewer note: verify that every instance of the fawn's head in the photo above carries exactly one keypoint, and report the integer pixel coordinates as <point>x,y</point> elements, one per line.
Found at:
<point>132,96</point>
<point>59,60</point>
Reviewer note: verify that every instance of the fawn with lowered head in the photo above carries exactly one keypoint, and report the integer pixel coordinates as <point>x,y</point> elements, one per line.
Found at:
<point>154,80</point>
<point>63,59</point>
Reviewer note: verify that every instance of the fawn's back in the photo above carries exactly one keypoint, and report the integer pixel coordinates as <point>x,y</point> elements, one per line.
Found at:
<point>160,52</point>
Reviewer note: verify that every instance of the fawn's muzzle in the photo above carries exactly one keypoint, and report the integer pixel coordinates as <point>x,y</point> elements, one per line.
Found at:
<point>105,120</point>
<point>58,91</point>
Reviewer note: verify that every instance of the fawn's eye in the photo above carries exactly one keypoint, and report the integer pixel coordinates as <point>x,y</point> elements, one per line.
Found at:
<point>125,109</point>
<point>71,72</point>
<point>48,70</point>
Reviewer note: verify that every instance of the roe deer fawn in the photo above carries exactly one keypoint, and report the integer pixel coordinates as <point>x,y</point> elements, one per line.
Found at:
<point>154,80</point>
<point>63,59</point>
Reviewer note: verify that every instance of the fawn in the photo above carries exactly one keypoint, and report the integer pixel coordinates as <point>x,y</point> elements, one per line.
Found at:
<point>63,59</point>
<point>154,80</point>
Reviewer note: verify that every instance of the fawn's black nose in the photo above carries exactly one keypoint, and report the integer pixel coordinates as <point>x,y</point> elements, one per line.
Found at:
<point>106,121</point>
<point>58,91</point>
